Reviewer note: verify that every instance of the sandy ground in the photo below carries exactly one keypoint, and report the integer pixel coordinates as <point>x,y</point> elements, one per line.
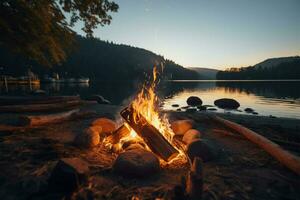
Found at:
<point>239,170</point>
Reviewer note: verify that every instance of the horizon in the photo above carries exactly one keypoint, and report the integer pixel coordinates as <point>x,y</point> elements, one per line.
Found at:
<point>214,34</point>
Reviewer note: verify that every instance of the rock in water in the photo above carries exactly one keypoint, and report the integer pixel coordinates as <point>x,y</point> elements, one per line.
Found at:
<point>249,110</point>
<point>175,105</point>
<point>136,163</point>
<point>227,103</point>
<point>68,175</point>
<point>88,138</point>
<point>191,135</point>
<point>194,101</point>
<point>199,148</point>
<point>106,124</point>
<point>202,108</point>
<point>181,126</point>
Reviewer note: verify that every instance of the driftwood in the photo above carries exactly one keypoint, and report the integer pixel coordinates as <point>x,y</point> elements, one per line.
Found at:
<point>289,160</point>
<point>25,100</point>
<point>40,107</point>
<point>37,120</point>
<point>152,137</point>
<point>194,182</point>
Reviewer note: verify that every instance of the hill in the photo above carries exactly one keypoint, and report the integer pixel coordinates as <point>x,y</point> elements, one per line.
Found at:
<point>205,73</point>
<point>99,60</point>
<point>273,68</point>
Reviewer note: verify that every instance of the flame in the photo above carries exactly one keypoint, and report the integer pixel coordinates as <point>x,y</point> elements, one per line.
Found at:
<point>146,103</point>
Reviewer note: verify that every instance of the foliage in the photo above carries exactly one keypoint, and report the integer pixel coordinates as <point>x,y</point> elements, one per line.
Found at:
<point>40,30</point>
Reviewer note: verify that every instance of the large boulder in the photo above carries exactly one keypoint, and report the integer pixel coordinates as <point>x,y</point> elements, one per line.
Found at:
<point>191,135</point>
<point>194,101</point>
<point>68,175</point>
<point>179,127</point>
<point>107,125</point>
<point>199,148</point>
<point>227,103</point>
<point>136,163</point>
<point>88,138</point>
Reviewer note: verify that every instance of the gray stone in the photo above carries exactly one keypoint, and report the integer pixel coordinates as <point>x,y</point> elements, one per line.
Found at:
<point>69,174</point>
<point>199,148</point>
<point>202,108</point>
<point>191,135</point>
<point>179,127</point>
<point>136,163</point>
<point>194,101</point>
<point>249,110</point>
<point>88,138</point>
<point>175,105</point>
<point>226,103</point>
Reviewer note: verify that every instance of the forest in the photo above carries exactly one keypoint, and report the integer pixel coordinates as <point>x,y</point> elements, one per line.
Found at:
<point>285,70</point>
<point>98,60</point>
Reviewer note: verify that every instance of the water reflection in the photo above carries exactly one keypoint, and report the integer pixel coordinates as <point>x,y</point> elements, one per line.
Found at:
<point>280,99</point>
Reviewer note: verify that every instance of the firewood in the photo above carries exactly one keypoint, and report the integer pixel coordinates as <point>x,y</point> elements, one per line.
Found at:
<point>152,137</point>
<point>40,107</point>
<point>25,100</point>
<point>291,161</point>
<point>194,183</point>
<point>118,134</point>
<point>37,120</point>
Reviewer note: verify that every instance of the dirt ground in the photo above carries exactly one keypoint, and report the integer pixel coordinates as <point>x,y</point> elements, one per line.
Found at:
<point>239,170</point>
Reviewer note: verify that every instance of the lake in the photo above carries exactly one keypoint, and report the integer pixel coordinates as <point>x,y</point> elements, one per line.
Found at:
<point>276,98</point>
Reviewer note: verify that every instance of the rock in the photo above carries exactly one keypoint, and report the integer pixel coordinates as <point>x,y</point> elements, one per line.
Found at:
<point>126,144</point>
<point>227,103</point>
<point>194,101</point>
<point>181,126</point>
<point>201,149</point>
<point>136,163</point>
<point>212,109</point>
<point>185,107</point>
<point>175,105</point>
<point>248,110</point>
<point>134,146</point>
<point>178,109</point>
<point>68,175</point>
<point>106,124</point>
<point>202,108</point>
<point>38,92</point>
<point>272,116</point>
<point>88,138</point>
<point>191,135</point>
<point>100,99</point>
<point>191,110</point>
<point>255,113</point>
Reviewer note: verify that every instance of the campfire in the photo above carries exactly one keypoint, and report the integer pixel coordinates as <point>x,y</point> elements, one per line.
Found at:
<point>143,124</point>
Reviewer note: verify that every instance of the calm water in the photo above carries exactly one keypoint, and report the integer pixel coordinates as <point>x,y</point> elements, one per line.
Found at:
<point>277,98</point>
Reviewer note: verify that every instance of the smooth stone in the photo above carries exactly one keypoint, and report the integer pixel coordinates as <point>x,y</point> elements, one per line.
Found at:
<point>69,174</point>
<point>191,110</point>
<point>255,113</point>
<point>178,109</point>
<point>107,125</point>
<point>226,103</point>
<point>194,101</point>
<point>249,110</point>
<point>136,163</point>
<point>212,109</point>
<point>202,108</point>
<point>175,105</point>
<point>185,107</point>
<point>199,148</point>
<point>88,138</point>
<point>179,127</point>
<point>191,135</point>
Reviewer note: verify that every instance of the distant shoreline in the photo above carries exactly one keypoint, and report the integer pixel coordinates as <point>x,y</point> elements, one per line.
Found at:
<point>216,80</point>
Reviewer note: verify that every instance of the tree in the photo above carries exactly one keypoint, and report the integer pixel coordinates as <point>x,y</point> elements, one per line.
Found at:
<point>41,29</point>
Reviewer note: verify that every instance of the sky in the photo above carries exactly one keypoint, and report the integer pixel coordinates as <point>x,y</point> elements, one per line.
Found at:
<point>207,33</point>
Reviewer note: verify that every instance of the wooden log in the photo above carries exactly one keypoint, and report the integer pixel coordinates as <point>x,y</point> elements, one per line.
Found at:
<point>37,120</point>
<point>118,134</point>
<point>40,107</point>
<point>194,183</point>
<point>291,161</point>
<point>152,137</point>
<point>25,100</point>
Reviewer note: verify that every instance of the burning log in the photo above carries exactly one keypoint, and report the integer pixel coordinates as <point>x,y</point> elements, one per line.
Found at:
<point>152,137</point>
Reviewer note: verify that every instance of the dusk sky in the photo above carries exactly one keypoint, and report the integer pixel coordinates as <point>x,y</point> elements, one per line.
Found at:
<point>210,33</point>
